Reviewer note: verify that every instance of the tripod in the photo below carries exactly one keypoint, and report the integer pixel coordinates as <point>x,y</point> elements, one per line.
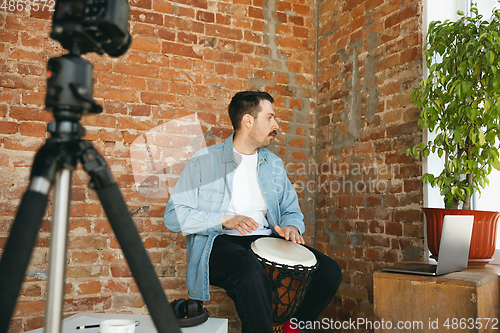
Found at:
<point>69,95</point>
<point>52,167</point>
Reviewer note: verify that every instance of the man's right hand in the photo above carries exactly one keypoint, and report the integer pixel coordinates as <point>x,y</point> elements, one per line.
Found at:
<point>239,222</point>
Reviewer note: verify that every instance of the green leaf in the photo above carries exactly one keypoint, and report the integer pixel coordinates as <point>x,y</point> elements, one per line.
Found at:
<point>482,140</point>
<point>495,162</point>
<point>466,87</point>
<point>487,106</point>
<point>463,68</point>
<point>496,82</point>
<point>491,57</point>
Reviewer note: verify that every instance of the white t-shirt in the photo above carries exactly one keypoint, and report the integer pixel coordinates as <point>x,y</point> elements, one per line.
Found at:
<point>247,197</point>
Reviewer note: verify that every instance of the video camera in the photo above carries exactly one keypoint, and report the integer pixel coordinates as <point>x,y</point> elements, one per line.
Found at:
<point>83,26</point>
<point>96,25</point>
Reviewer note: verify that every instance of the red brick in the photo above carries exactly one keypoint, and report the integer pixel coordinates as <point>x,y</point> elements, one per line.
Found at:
<point>157,98</point>
<point>224,32</point>
<point>410,55</point>
<point>414,230</point>
<point>408,216</point>
<point>401,16</point>
<point>28,308</point>
<point>8,36</point>
<point>89,288</point>
<point>34,98</point>
<point>117,286</point>
<point>16,82</point>
<point>120,271</point>
<point>141,3</point>
<point>205,17</point>
<point>195,3</point>
<point>8,127</point>
<point>166,34</point>
<point>370,4</point>
<point>245,48</point>
<point>144,30</point>
<point>145,45</point>
<point>33,129</point>
<point>117,94</point>
<point>158,85</point>
<point>84,257</point>
<point>372,254</point>
<point>180,50</point>
<point>178,88</point>
<point>163,6</point>
<point>186,38</point>
<point>99,121</point>
<point>87,304</point>
<point>136,70</point>
<point>185,12</point>
<point>146,17</point>
<point>255,13</point>
<point>374,241</point>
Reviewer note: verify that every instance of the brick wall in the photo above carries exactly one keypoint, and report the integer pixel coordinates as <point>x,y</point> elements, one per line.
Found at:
<point>345,118</point>
<point>186,61</point>
<point>370,194</point>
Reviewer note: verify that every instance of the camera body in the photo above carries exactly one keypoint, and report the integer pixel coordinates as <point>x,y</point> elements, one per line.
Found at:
<point>83,26</point>
<point>96,25</point>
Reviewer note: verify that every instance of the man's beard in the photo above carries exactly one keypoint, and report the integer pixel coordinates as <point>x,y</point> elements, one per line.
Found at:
<point>271,134</point>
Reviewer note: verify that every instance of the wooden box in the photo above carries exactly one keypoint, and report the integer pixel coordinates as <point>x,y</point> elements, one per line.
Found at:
<point>464,301</point>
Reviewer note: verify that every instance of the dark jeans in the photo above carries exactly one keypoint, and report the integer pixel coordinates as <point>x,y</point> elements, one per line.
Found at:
<point>236,269</point>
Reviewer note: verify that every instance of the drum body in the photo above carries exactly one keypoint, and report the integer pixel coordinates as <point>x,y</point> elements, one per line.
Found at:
<point>290,267</point>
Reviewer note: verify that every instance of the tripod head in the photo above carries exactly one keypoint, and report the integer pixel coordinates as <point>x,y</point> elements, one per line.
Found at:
<point>82,26</point>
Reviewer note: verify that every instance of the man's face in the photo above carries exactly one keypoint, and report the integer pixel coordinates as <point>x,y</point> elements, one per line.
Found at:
<point>265,126</point>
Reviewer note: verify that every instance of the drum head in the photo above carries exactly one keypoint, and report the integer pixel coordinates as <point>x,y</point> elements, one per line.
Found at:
<point>283,252</point>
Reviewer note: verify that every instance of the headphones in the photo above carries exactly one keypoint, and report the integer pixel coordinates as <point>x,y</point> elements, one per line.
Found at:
<point>189,312</point>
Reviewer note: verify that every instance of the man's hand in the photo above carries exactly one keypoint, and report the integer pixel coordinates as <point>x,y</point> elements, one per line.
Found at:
<point>290,233</point>
<point>239,222</point>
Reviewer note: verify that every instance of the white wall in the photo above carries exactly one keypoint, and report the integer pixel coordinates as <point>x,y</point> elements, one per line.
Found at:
<point>435,10</point>
<point>488,200</point>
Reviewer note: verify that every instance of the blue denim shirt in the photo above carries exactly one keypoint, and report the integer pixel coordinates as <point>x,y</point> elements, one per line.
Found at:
<point>201,198</point>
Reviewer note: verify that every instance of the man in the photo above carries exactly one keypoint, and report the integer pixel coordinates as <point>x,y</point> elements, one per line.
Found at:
<point>231,194</point>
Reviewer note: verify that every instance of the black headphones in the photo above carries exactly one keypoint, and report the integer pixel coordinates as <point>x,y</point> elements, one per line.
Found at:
<point>189,312</point>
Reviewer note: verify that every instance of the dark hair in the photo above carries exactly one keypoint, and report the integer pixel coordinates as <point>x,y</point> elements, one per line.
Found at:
<point>246,102</point>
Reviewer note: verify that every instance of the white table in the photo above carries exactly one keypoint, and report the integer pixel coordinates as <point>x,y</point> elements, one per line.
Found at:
<point>212,325</point>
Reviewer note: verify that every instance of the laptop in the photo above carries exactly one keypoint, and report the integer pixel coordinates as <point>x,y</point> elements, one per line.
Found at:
<point>453,249</point>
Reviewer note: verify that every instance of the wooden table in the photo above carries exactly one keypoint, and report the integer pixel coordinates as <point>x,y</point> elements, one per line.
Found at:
<point>465,301</point>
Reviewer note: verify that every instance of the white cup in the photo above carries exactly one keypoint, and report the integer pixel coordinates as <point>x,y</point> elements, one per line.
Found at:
<point>118,326</point>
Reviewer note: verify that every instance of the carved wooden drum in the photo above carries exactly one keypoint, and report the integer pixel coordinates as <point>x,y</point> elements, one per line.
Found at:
<point>290,267</point>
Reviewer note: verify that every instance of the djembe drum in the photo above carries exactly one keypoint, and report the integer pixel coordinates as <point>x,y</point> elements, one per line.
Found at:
<point>290,267</point>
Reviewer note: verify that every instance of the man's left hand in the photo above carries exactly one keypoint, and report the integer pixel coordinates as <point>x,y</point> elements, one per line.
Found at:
<point>290,233</point>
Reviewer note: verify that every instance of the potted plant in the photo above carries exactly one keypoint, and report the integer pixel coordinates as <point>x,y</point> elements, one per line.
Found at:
<point>460,101</point>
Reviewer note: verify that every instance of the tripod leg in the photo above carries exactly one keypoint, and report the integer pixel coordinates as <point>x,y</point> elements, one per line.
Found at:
<point>46,165</point>
<point>58,247</point>
<point>17,252</point>
<point>130,241</point>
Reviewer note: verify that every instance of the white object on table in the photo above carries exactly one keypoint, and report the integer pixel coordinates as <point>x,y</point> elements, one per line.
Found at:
<point>212,325</point>
<point>117,326</point>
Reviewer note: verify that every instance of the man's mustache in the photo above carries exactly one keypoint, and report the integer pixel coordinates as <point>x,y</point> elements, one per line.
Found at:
<point>273,133</point>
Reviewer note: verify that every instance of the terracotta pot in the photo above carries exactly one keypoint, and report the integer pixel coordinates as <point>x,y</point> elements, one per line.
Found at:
<point>484,232</point>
